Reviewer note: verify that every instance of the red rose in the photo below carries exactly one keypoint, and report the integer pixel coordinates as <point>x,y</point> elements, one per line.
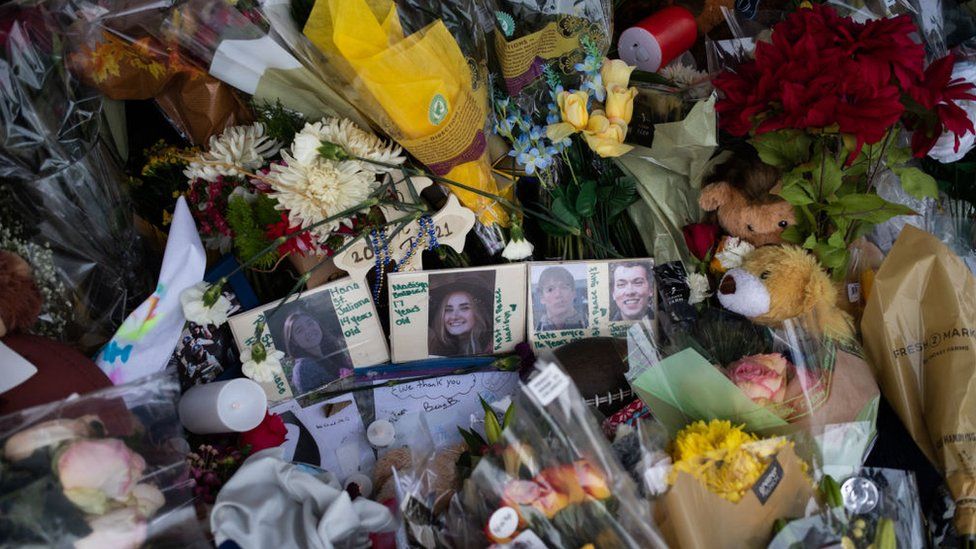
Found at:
<point>270,433</point>
<point>300,244</point>
<point>700,238</point>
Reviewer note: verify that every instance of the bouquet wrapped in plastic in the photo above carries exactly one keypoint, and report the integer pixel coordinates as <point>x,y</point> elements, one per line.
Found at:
<point>543,475</point>
<point>105,470</point>
<point>555,476</point>
<point>62,179</point>
<point>783,380</point>
<point>422,88</point>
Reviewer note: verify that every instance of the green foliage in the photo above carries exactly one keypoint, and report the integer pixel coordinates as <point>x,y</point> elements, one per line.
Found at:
<point>280,123</point>
<point>835,202</point>
<point>249,239</point>
<point>783,149</point>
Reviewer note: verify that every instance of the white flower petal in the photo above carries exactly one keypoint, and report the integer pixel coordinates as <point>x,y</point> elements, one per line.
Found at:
<point>517,250</point>
<point>195,311</point>
<point>262,372</point>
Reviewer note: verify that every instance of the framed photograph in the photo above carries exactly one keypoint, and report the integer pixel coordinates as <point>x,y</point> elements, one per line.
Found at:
<point>457,312</point>
<point>573,300</point>
<point>325,334</point>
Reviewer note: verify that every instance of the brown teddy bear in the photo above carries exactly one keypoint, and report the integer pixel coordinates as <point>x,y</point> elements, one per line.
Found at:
<point>776,283</point>
<point>742,193</point>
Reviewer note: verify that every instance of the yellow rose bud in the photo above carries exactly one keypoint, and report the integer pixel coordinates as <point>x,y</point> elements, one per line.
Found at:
<point>605,136</point>
<point>620,103</point>
<point>615,72</point>
<point>572,108</point>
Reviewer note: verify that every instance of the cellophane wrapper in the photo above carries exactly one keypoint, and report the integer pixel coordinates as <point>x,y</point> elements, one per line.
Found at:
<point>556,475</point>
<point>63,178</point>
<point>118,452</point>
<point>871,499</point>
<point>418,74</point>
<point>788,380</point>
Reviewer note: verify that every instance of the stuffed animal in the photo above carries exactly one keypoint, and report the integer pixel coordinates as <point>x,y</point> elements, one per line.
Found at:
<point>20,300</point>
<point>776,283</point>
<point>61,370</point>
<point>741,192</point>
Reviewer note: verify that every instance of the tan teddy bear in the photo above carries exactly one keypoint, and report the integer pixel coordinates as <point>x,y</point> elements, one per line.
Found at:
<point>742,193</point>
<point>776,283</point>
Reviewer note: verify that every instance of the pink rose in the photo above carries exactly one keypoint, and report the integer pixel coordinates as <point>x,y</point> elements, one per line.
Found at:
<point>121,529</point>
<point>95,472</point>
<point>761,377</point>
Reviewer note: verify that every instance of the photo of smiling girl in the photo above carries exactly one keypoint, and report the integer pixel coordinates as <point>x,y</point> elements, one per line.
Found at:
<point>308,332</point>
<point>460,317</point>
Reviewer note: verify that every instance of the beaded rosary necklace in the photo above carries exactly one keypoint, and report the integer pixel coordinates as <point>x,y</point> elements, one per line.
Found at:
<point>383,256</point>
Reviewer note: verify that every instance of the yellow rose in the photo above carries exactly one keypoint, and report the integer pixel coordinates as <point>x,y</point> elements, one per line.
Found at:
<point>572,108</point>
<point>615,72</point>
<point>620,103</point>
<point>605,136</point>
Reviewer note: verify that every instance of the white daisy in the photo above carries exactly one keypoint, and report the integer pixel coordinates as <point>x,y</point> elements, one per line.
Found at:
<point>314,192</point>
<point>698,284</point>
<point>352,138</point>
<point>196,311</point>
<point>262,372</point>
<point>685,77</point>
<point>238,149</point>
<point>733,252</point>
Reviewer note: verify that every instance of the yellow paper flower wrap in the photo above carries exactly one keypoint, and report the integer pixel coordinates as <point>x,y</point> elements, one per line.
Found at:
<point>418,88</point>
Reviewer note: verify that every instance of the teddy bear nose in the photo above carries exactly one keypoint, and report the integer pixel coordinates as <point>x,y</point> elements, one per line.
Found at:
<point>727,286</point>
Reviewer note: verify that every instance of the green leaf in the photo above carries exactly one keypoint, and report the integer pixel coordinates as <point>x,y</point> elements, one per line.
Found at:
<point>586,201</point>
<point>493,430</point>
<point>916,182</point>
<point>783,149</point>
<point>830,257</point>
<point>795,192</point>
<point>564,213</point>
<point>554,230</point>
<point>792,234</point>
<point>898,155</point>
<point>866,207</point>
<point>485,406</point>
<point>836,240</point>
<point>811,242</point>
<point>473,440</point>
<point>509,416</point>
<point>827,177</point>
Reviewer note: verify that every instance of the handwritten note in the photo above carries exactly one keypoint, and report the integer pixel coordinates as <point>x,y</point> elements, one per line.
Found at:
<point>327,441</point>
<point>447,402</point>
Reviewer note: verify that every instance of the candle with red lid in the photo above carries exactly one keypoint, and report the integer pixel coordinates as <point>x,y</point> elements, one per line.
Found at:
<point>657,39</point>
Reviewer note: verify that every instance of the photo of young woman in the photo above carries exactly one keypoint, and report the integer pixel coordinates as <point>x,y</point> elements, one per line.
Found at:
<point>309,334</point>
<point>460,319</point>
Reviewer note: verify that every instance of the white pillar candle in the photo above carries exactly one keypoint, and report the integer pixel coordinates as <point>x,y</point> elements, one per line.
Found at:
<point>380,433</point>
<point>237,405</point>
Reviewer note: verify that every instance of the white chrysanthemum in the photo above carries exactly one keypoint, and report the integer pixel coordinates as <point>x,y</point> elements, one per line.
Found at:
<point>197,312</point>
<point>352,138</point>
<point>262,372</point>
<point>320,190</point>
<point>698,284</point>
<point>239,149</point>
<point>686,77</point>
<point>733,252</point>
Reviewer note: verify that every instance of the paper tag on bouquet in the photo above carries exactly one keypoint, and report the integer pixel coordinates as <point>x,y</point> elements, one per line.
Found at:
<point>548,384</point>
<point>145,341</point>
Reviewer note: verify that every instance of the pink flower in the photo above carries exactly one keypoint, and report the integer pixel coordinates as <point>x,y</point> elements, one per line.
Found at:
<point>94,473</point>
<point>761,377</point>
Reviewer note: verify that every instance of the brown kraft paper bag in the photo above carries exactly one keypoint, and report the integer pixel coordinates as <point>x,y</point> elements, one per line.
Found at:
<point>919,332</point>
<point>695,518</point>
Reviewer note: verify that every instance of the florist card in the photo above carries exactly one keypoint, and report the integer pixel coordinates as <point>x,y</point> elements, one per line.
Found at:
<point>324,334</point>
<point>457,312</point>
<point>572,300</point>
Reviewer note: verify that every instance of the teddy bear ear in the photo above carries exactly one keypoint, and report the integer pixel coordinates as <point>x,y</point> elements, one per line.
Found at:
<point>777,188</point>
<point>714,196</point>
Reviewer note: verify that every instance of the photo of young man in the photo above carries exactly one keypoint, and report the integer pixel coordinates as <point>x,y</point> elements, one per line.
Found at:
<point>556,305</point>
<point>631,290</point>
